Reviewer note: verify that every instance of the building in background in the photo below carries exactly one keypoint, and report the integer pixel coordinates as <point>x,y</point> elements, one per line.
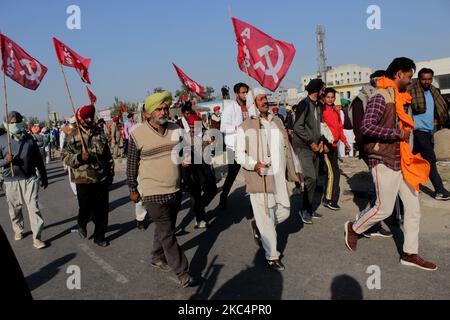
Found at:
<point>441,68</point>
<point>347,79</point>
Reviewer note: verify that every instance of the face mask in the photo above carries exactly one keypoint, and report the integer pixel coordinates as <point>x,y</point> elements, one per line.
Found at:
<point>16,128</point>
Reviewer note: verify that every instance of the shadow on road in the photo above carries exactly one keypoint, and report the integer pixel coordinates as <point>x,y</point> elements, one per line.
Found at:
<point>361,189</point>
<point>255,281</point>
<point>117,185</point>
<point>118,203</point>
<point>222,221</point>
<point>345,287</point>
<point>46,273</point>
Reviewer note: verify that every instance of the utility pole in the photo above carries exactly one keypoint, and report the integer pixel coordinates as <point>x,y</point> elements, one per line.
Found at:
<point>322,59</point>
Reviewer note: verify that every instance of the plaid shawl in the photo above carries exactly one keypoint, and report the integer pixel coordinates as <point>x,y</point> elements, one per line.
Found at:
<point>418,102</point>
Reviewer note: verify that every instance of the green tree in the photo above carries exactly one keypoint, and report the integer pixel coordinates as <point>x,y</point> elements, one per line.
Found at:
<point>116,110</point>
<point>209,91</point>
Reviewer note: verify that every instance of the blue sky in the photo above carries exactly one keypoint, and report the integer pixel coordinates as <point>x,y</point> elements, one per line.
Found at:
<point>133,43</point>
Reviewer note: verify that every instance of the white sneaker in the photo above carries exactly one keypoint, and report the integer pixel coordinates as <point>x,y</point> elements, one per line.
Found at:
<point>18,236</point>
<point>38,244</point>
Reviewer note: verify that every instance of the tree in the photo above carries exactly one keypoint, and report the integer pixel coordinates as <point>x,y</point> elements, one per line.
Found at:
<point>32,120</point>
<point>182,92</point>
<point>116,110</point>
<point>208,94</point>
<point>158,89</point>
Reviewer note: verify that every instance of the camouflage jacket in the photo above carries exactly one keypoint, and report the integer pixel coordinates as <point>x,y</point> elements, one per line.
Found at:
<point>100,165</point>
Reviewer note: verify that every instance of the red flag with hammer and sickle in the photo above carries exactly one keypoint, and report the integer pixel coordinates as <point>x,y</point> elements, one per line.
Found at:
<point>190,84</point>
<point>19,65</point>
<point>68,57</point>
<point>260,56</point>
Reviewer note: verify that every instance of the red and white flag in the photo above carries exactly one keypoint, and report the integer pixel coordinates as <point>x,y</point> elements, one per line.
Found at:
<point>19,65</point>
<point>260,56</point>
<point>190,84</point>
<point>92,96</point>
<point>122,108</point>
<point>68,57</point>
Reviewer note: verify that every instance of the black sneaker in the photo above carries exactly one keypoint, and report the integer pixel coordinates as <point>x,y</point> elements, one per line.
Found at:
<point>276,265</point>
<point>140,225</point>
<point>256,233</point>
<point>316,215</point>
<point>306,217</point>
<point>382,233</point>
<point>442,196</point>
<point>332,205</point>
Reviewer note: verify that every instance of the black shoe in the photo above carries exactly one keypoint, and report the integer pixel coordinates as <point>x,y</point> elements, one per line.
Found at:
<point>140,225</point>
<point>306,217</point>
<point>256,233</point>
<point>276,265</point>
<point>103,243</point>
<point>316,215</point>
<point>82,232</point>
<point>382,233</point>
<point>333,205</point>
<point>161,265</point>
<point>442,196</point>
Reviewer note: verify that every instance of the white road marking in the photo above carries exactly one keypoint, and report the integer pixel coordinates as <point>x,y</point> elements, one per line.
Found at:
<point>104,265</point>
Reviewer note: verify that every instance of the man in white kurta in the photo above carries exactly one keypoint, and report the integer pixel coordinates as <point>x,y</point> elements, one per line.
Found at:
<point>270,208</point>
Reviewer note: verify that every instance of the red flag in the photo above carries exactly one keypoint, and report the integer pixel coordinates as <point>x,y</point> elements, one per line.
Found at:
<point>70,58</point>
<point>264,59</point>
<point>190,84</point>
<point>122,108</point>
<point>19,65</point>
<point>92,97</point>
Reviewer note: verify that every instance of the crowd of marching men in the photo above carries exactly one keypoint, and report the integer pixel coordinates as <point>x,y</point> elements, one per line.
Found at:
<point>277,155</point>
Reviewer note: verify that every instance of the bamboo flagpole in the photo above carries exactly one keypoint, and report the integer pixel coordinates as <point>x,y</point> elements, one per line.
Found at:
<point>8,133</point>
<point>83,146</point>
<point>230,13</point>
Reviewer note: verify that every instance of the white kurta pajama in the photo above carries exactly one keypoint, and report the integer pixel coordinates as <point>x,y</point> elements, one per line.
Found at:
<point>278,203</point>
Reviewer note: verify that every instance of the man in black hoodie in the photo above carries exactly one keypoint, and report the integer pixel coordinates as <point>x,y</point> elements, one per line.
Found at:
<point>307,144</point>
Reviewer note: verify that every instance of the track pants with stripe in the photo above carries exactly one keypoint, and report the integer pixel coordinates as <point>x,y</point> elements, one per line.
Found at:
<point>388,184</point>
<point>332,190</point>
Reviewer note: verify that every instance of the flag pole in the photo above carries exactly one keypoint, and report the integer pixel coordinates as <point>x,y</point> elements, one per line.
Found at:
<point>8,133</point>
<point>83,147</point>
<point>266,209</point>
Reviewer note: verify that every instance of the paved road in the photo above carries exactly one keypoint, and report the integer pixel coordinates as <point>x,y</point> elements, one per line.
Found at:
<point>318,264</point>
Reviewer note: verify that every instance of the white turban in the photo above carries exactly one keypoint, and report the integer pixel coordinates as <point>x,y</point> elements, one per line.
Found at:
<point>251,97</point>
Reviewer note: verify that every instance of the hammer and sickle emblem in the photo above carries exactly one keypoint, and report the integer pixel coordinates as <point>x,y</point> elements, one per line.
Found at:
<point>31,75</point>
<point>271,70</point>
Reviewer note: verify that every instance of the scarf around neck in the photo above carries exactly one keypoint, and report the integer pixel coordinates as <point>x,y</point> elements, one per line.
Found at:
<point>415,169</point>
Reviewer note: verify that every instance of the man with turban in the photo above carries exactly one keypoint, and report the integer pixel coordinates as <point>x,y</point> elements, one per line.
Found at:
<point>199,177</point>
<point>92,170</point>
<point>22,183</point>
<point>308,145</point>
<point>264,151</point>
<point>153,161</point>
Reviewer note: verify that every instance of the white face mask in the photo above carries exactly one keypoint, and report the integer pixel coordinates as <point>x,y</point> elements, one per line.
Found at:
<point>15,128</point>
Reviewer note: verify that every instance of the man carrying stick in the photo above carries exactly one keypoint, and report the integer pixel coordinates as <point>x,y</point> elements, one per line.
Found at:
<point>264,151</point>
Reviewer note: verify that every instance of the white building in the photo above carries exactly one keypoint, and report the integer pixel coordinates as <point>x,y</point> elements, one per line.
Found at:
<point>347,79</point>
<point>284,96</point>
<point>346,74</point>
<point>441,68</point>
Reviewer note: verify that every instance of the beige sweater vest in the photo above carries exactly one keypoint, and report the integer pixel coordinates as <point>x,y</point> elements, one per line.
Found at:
<point>254,182</point>
<point>158,173</point>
